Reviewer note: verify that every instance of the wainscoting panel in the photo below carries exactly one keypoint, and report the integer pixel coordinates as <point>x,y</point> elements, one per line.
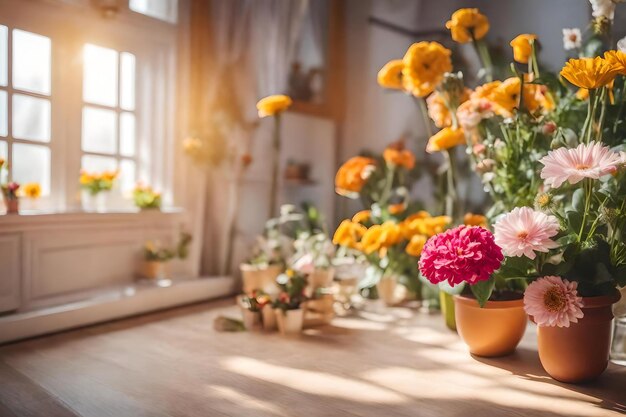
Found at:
<point>9,272</point>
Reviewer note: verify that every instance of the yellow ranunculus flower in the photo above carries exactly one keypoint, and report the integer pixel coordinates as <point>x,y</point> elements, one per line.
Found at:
<point>425,63</point>
<point>445,139</point>
<point>422,224</point>
<point>471,219</point>
<point>590,73</point>
<point>391,234</point>
<point>618,59</point>
<point>273,105</point>
<point>399,157</point>
<point>485,90</point>
<point>522,47</point>
<point>415,245</point>
<point>31,190</point>
<point>371,241</point>
<point>390,75</point>
<point>506,97</point>
<point>362,216</point>
<point>468,24</point>
<point>348,234</point>
<point>353,174</point>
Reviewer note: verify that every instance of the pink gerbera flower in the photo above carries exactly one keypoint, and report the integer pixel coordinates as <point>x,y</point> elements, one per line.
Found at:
<point>573,165</point>
<point>553,301</point>
<point>524,231</point>
<point>463,254</point>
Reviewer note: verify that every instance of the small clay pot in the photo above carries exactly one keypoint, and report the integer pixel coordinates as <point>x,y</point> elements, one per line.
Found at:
<point>251,319</point>
<point>154,270</point>
<point>13,206</point>
<point>493,330</point>
<point>269,318</point>
<point>579,352</point>
<point>321,278</point>
<point>289,321</point>
<point>386,288</point>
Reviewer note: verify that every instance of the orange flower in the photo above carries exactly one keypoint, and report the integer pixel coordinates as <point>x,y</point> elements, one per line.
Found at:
<point>467,25</point>
<point>353,174</point>
<point>399,157</point>
<point>445,139</point>
<point>438,109</point>
<point>522,47</point>
<point>475,220</point>
<point>590,73</point>
<point>348,234</point>
<point>506,97</point>
<point>362,216</point>
<point>425,63</point>
<point>618,59</point>
<point>273,105</point>
<point>415,245</point>
<point>390,76</point>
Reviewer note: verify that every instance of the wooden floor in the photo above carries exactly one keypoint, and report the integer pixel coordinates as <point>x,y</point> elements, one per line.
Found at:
<point>386,363</point>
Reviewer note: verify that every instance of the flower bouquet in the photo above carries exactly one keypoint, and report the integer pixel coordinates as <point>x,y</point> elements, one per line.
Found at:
<point>387,235</point>
<point>146,198</point>
<point>289,304</point>
<point>94,187</point>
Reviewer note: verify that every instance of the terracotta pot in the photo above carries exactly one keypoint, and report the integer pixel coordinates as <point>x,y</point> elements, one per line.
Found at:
<point>579,352</point>
<point>494,330</point>
<point>251,319</point>
<point>321,278</point>
<point>13,206</point>
<point>268,316</point>
<point>387,290</point>
<point>446,302</point>
<point>289,321</point>
<point>260,278</point>
<point>154,270</point>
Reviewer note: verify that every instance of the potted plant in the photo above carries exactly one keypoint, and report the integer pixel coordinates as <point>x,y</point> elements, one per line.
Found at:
<point>31,192</point>
<point>95,187</point>
<point>289,304</point>
<point>145,198</point>
<point>156,256</point>
<point>251,309</point>
<point>11,199</point>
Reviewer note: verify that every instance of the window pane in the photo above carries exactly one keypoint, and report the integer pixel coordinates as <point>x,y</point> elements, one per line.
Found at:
<point>31,163</point>
<point>159,9</point>
<point>127,98</point>
<point>100,75</point>
<point>99,130</point>
<point>4,154</point>
<point>3,113</point>
<point>127,134</point>
<point>4,67</point>
<point>128,177</point>
<point>31,118</point>
<point>97,164</point>
<point>31,62</point>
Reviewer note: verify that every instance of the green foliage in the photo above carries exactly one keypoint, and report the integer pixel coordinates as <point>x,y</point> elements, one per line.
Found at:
<point>292,286</point>
<point>482,290</point>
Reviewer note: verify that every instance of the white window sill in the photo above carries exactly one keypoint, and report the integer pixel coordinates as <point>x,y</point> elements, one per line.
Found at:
<point>36,219</point>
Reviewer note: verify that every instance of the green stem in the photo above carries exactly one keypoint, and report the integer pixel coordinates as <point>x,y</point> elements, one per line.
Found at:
<point>535,65</point>
<point>451,196</point>
<point>621,105</point>
<point>275,166</point>
<point>421,102</point>
<point>588,189</point>
<point>386,194</point>
<point>603,99</point>
<point>485,58</point>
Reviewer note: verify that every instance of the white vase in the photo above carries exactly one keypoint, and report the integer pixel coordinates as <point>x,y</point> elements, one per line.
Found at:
<point>269,318</point>
<point>94,203</point>
<point>387,289</point>
<point>289,321</point>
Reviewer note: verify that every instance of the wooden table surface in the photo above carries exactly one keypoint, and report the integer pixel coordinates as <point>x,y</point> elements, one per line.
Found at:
<point>385,362</point>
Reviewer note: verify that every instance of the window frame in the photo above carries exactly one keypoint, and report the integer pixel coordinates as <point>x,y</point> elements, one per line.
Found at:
<point>70,25</point>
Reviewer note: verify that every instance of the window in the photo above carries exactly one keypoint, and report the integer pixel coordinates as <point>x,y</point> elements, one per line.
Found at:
<point>78,91</point>
<point>159,9</point>
<point>108,137</point>
<point>25,106</point>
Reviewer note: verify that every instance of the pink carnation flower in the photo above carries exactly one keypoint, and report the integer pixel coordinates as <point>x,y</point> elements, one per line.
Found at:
<point>524,231</point>
<point>463,254</point>
<point>573,165</point>
<point>552,301</point>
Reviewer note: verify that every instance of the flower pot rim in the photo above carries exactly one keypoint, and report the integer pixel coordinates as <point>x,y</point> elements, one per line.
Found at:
<point>602,300</point>
<point>490,304</point>
<point>251,267</point>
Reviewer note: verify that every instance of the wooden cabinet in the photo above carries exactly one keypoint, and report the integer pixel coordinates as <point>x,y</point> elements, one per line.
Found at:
<point>10,272</point>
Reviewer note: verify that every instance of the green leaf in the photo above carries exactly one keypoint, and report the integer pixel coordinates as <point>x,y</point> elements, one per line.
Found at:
<point>482,290</point>
<point>578,200</point>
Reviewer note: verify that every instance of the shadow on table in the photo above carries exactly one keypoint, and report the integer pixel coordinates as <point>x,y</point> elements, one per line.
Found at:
<point>608,388</point>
